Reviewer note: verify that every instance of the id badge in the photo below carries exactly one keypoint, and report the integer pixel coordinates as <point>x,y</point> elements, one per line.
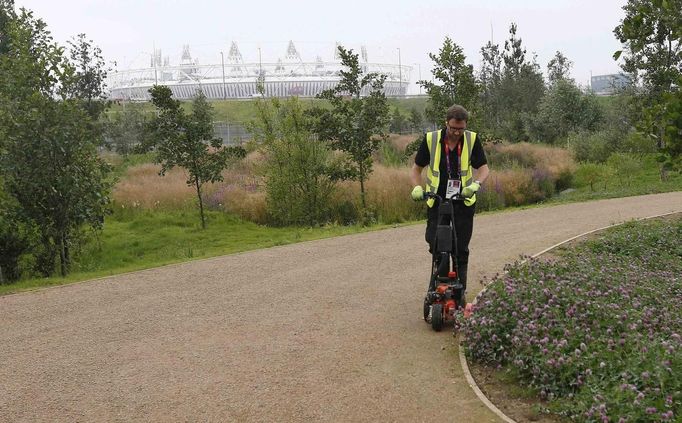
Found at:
<point>453,188</point>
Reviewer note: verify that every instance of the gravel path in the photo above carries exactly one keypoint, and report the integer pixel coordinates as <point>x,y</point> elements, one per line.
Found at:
<point>328,330</point>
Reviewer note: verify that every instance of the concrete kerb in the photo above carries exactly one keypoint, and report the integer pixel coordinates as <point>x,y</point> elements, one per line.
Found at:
<point>462,356</point>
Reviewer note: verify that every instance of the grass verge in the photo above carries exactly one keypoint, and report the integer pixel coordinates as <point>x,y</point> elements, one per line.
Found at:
<point>142,239</point>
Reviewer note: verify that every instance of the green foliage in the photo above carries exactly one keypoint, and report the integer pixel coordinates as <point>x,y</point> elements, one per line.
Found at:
<point>398,122</point>
<point>354,124</point>
<point>50,161</point>
<point>188,141</point>
<point>416,120</point>
<point>457,82</point>
<point>15,238</point>
<point>624,167</point>
<point>590,174</point>
<point>390,156</point>
<point>512,88</point>
<point>299,169</point>
<point>128,130</point>
<point>564,109</point>
<point>671,122</point>
<point>559,68</point>
<point>592,146</point>
<point>651,33</point>
<point>490,78</point>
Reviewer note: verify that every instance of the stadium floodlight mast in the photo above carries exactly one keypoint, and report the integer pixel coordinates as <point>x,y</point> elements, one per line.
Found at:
<point>222,62</point>
<point>419,70</point>
<point>400,73</point>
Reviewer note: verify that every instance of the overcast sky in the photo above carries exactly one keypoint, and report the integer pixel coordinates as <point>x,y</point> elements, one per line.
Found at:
<point>128,30</point>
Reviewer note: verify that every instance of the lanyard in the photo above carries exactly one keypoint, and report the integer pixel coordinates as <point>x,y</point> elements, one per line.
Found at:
<point>447,159</point>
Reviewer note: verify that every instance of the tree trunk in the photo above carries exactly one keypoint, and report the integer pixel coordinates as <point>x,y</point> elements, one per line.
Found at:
<point>2,278</point>
<point>362,187</point>
<point>62,254</point>
<point>201,204</point>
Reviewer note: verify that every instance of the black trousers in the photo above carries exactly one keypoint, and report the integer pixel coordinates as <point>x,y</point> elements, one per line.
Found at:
<point>464,225</point>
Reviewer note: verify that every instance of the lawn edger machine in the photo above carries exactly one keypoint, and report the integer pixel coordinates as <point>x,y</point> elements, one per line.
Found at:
<point>446,293</point>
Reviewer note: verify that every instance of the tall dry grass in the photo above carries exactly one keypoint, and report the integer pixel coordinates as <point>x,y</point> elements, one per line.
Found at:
<point>520,174</point>
<point>142,187</point>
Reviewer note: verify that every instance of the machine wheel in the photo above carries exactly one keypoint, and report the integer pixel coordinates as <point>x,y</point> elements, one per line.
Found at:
<point>437,317</point>
<point>427,310</point>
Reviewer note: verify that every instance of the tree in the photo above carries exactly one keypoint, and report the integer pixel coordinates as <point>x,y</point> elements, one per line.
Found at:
<point>490,78</point>
<point>188,141</point>
<point>671,157</point>
<point>416,120</point>
<point>50,164</point>
<point>128,130</point>
<point>521,88</point>
<point>457,82</point>
<point>398,121</point>
<point>564,109</point>
<point>300,171</point>
<point>355,125</point>
<point>651,33</point>
<point>559,68</point>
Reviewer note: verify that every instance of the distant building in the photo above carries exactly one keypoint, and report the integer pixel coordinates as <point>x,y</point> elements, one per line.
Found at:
<point>609,84</point>
<point>234,78</point>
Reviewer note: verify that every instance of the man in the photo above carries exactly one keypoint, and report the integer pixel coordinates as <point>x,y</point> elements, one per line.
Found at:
<point>455,162</point>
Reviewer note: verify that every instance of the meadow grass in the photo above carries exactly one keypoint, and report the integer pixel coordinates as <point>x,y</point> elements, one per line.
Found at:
<point>137,239</point>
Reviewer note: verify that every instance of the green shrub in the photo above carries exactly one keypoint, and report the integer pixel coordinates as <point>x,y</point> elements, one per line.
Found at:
<point>590,174</point>
<point>624,167</point>
<point>591,147</point>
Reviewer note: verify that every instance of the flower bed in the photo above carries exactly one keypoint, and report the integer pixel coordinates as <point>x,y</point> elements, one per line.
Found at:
<point>597,331</point>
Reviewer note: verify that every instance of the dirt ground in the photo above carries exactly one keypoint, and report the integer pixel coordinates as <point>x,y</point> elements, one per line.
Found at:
<point>328,330</point>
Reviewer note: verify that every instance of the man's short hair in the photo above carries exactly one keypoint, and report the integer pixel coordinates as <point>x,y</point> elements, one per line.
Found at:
<point>457,112</point>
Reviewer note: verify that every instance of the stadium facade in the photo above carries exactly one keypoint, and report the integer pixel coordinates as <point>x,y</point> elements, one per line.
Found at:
<point>233,78</point>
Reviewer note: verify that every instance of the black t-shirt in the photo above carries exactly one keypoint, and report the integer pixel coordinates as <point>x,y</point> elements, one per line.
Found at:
<point>423,158</point>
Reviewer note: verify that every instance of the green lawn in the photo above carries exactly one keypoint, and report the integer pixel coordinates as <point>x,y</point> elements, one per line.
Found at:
<point>143,239</point>
<point>645,181</point>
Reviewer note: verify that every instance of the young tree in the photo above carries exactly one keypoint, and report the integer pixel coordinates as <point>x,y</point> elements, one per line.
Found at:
<point>128,130</point>
<point>521,88</point>
<point>50,163</point>
<point>416,120</point>
<point>490,78</point>
<point>564,109</point>
<point>559,68</point>
<point>299,169</point>
<point>398,121</point>
<point>651,33</point>
<point>457,82</point>
<point>355,124</point>
<point>188,141</point>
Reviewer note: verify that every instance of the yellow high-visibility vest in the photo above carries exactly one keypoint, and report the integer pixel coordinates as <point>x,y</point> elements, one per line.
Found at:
<point>433,171</point>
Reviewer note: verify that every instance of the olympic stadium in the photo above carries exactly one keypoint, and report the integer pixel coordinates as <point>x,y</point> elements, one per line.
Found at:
<point>233,78</point>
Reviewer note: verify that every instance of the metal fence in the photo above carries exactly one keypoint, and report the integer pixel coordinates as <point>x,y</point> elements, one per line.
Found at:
<point>232,133</point>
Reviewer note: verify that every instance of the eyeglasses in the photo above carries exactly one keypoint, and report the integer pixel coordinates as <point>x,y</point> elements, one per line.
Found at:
<point>453,129</point>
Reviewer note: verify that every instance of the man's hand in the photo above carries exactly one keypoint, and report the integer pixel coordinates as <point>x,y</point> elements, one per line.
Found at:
<point>418,193</point>
<point>470,189</point>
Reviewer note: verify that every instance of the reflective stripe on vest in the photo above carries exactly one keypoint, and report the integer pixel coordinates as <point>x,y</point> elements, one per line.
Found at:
<point>433,172</point>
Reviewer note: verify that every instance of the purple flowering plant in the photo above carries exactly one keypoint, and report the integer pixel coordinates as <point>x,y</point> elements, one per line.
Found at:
<point>597,332</point>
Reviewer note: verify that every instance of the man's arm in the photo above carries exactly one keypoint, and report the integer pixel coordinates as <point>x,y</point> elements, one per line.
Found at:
<point>416,175</point>
<point>481,174</point>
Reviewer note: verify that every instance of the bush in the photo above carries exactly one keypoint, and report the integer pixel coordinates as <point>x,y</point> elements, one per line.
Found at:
<point>300,170</point>
<point>624,167</point>
<point>16,238</point>
<point>592,146</point>
<point>597,332</point>
<point>590,174</point>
